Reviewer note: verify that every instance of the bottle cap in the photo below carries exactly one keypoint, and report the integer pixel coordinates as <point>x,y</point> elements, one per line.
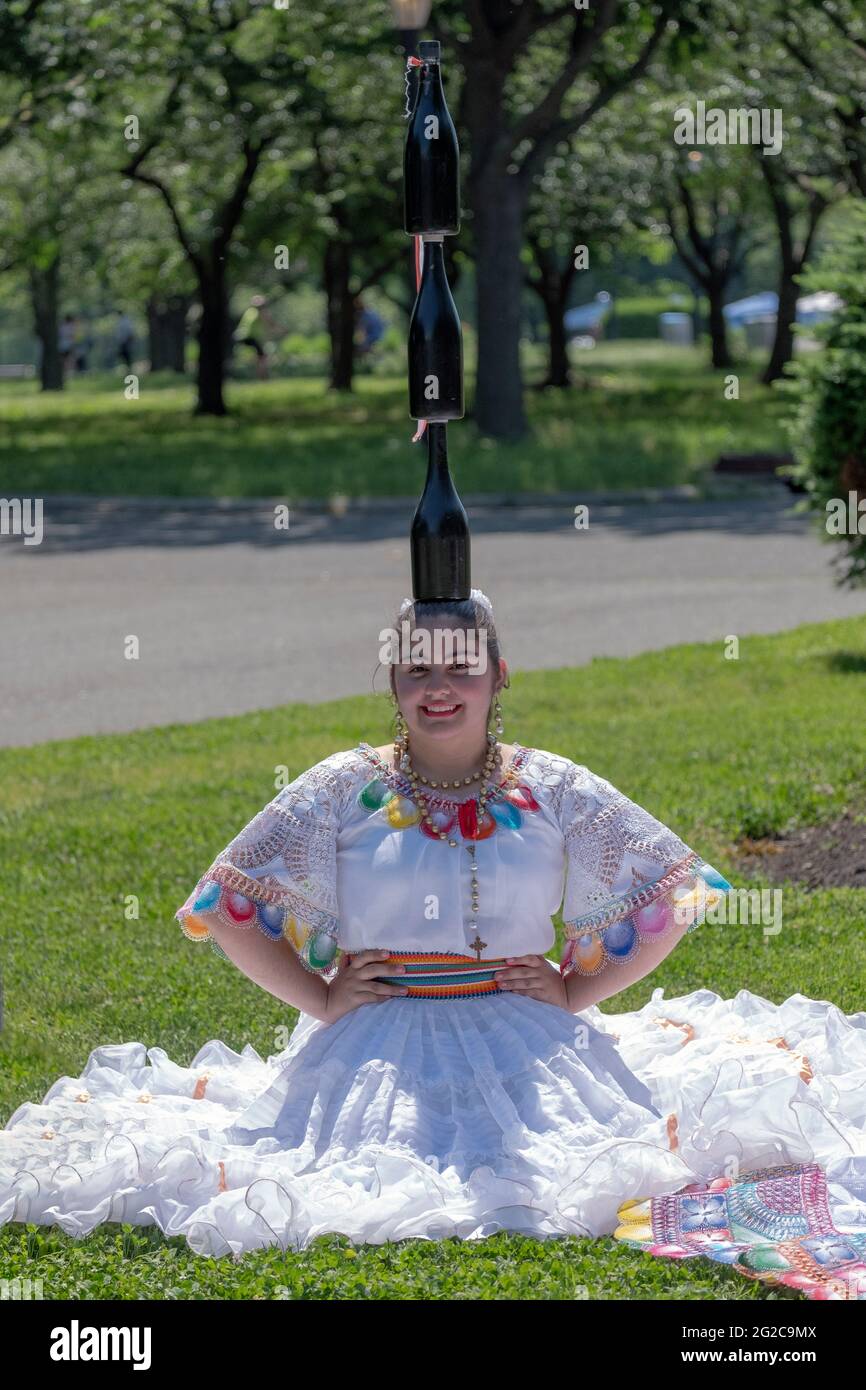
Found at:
<point>429,50</point>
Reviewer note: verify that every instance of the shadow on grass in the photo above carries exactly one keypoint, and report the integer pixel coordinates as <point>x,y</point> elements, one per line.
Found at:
<point>846,663</point>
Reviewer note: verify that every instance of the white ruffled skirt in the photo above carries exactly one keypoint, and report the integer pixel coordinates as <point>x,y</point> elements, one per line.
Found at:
<point>435,1118</point>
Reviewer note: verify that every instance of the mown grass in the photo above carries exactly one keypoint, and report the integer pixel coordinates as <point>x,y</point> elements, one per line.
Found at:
<point>718,749</point>
<point>643,414</point>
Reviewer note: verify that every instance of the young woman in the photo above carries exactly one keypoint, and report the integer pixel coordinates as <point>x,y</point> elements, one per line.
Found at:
<point>445,1077</point>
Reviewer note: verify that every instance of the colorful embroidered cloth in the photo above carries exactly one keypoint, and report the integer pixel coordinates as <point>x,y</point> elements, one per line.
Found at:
<point>772,1224</point>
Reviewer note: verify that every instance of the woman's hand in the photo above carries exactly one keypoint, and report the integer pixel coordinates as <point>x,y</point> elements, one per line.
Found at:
<point>536,976</point>
<point>355,983</point>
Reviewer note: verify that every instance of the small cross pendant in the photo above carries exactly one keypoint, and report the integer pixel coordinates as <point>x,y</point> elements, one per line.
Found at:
<point>477,946</point>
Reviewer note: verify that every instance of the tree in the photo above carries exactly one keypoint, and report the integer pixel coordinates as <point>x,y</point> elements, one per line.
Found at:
<point>707,201</point>
<point>35,63</point>
<point>577,221</point>
<point>808,173</point>
<point>41,114</point>
<point>533,75</point>
<point>350,208</point>
<point>50,208</point>
<point>828,426</point>
<point>230,78</point>
<point>785,192</point>
<point>827,40</point>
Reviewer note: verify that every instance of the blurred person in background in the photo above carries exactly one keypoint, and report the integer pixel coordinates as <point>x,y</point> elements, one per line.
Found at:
<point>124,338</point>
<point>67,338</point>
<point>254,322</point>
<point>370,326</point>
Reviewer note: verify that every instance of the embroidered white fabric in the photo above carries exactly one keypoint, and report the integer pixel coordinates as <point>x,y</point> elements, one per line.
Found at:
<point>433,1118</point>
<point>346,872</point>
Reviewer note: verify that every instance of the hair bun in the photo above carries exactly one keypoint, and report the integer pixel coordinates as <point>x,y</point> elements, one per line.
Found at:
<point>477,594</point>
<point>482,598</point>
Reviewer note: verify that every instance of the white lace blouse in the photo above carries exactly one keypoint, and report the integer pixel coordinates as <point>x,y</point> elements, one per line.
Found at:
<point>341,859</point>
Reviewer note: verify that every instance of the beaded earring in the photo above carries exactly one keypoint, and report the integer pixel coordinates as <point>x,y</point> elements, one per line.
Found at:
<point>500,727</point>
<point>402,728</point>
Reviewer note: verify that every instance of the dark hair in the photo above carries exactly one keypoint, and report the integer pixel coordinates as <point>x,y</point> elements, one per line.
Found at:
<point>468,613</point>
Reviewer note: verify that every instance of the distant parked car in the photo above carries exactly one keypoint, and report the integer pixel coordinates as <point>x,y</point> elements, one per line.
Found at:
<point>584,324</point>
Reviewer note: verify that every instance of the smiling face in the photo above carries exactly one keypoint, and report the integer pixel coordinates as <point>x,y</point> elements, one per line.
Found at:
<point>445,695</point>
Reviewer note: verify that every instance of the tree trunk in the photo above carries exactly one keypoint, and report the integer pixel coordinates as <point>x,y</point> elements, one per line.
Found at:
<point>341,313</point>
<point>212,339</point>
<point>721,356</point>
<point>792,258</point>
<point>498,202</point>
<point>44,299</point>
<point>783,341</point>
<point>166,326</point>
<point>559,369</point>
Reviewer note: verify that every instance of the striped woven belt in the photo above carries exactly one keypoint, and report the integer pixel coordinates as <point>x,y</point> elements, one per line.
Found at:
<point>441,975</point>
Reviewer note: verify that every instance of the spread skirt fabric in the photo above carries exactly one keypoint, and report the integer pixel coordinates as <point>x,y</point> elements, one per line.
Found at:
<point>733,1129</point>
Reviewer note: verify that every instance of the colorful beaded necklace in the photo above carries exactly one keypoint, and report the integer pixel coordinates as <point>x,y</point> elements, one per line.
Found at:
<point>391,791</point>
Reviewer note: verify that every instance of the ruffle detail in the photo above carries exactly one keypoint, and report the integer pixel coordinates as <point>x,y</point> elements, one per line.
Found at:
<point>794,1213</point>
<point>416,1119</point>
<point>412,1120</point>
<point>615,933</point>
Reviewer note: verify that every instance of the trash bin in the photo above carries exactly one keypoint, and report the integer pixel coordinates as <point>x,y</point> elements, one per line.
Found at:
<point>677,328</point>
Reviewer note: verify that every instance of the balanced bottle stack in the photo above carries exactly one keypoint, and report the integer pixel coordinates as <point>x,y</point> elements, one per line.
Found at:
<point>431,190</point>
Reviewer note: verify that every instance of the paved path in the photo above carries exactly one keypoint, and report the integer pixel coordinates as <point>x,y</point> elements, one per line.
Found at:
<point>233,616</point>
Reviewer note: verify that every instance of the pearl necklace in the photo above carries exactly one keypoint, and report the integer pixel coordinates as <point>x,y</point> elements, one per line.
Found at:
<point>406,762</point>
<point>477,945</point>
<point>458,782</point>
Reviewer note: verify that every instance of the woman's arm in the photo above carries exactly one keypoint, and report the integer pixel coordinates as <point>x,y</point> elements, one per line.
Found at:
<point>584,990</point>
<point>273,964</point>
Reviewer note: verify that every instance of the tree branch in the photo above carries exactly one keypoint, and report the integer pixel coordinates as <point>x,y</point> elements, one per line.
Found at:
<point>584,42</point>
<point>564,129</point>
<point>694,267</point>
<point>153,182</point>
<point>842,28</point>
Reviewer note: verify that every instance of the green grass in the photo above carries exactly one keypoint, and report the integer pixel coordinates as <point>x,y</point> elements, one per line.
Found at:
<point>717,749</point>
<point>643,414</point>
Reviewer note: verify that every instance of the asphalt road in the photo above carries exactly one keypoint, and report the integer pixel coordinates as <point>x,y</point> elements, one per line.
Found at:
<point>232,615</point>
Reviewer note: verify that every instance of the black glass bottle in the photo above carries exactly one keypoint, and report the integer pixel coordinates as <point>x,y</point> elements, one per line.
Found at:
<point>435,344</point>
<point>431,156</point>
<point>440,545</point>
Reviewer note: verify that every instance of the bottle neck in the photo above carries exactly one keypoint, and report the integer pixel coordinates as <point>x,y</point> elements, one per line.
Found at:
<point>437,452</point>
<point>434,256</point>
<point>430,79</point>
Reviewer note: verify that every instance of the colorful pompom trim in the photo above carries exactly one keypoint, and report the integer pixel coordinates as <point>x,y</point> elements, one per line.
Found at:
<point>316,949</point>
<point>686,890</point>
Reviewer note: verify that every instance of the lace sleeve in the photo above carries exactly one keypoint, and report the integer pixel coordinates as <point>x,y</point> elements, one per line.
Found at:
<point>279,874</point>
<point>629,878</point>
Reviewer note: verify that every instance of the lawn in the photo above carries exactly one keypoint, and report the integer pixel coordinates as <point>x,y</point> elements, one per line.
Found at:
<point>643,414</point>
<point>717,749</point>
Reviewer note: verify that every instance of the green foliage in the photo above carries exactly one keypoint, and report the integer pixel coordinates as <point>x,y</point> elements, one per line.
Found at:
<point>828,391</point>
